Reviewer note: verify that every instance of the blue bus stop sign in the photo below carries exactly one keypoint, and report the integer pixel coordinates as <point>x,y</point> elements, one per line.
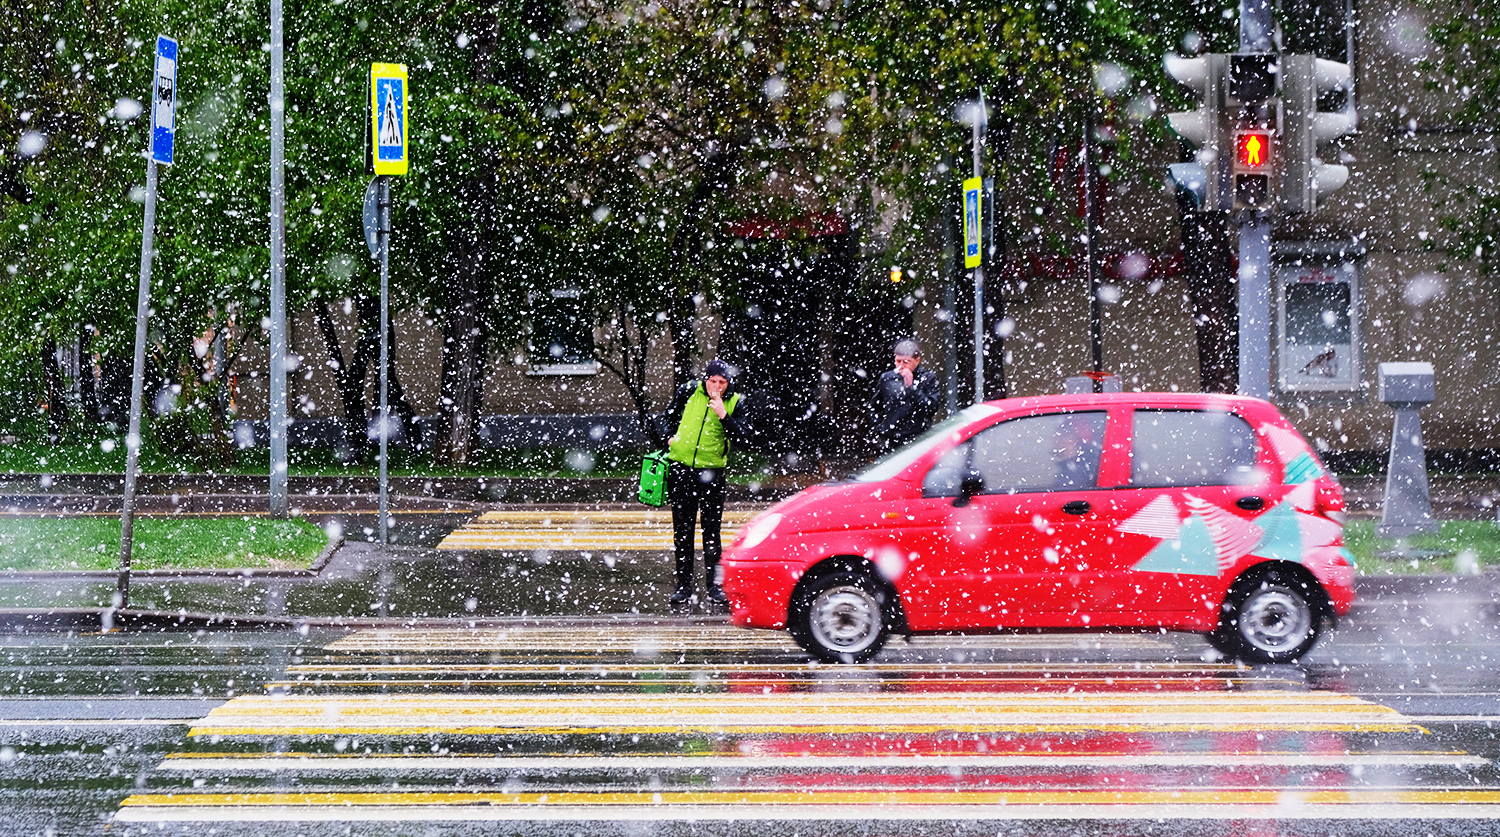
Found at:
<point>164,100</point>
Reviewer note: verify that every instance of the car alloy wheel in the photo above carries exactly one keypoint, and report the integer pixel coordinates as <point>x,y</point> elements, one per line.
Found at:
<point>1270,619</point>
<point>841,617</point>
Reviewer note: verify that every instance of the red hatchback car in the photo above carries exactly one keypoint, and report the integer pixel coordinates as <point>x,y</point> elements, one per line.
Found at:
<point>1204,513</point>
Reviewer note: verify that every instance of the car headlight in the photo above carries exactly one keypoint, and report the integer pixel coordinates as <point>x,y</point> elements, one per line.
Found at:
<point>760,528</point>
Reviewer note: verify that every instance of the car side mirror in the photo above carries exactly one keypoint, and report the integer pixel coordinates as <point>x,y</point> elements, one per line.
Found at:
<point>971,484</point>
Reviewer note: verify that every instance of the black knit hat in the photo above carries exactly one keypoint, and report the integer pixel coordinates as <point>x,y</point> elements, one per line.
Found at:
<point>718,367</point>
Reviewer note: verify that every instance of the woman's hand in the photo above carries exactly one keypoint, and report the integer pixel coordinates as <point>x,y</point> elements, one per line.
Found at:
<point>715,387</point>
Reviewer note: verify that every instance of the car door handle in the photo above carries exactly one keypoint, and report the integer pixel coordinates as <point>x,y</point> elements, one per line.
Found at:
<point>1251,503</point>
<point>1076,507</point>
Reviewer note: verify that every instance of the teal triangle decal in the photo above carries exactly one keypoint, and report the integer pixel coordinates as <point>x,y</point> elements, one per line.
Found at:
<point>1302,469</point>
<point>1283,539</point>
<point>1193,553</point>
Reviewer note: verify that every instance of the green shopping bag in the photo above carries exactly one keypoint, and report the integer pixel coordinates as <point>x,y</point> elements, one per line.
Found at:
<point>654,478</point>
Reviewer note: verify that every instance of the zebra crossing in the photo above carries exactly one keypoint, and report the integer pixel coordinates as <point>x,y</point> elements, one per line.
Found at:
<point>619,725</point>
<point>587,530</point>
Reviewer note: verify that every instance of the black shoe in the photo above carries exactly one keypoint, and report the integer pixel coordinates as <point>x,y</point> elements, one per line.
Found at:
<point>682,596</point>
<point>716,594</point>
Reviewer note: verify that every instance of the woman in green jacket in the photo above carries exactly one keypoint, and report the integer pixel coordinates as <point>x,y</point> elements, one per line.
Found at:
<point>707,415</point>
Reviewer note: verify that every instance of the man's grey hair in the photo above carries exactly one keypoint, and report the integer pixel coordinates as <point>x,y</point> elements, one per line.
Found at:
<point>907,347</point>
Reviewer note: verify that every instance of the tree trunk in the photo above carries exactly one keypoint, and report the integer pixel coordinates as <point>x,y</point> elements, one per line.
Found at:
<point>57,399</point>
<point>1207,267</point>
<point>630,368</point>
<point>350,378</point>
<point>88,392</point>
<point>465,303</point>
<point>718,170</point>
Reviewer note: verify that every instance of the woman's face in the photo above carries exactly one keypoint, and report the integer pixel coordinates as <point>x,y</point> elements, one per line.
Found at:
<point>715,386</point>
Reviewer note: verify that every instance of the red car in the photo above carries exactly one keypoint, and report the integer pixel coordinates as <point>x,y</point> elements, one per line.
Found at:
<point>1205,513</point>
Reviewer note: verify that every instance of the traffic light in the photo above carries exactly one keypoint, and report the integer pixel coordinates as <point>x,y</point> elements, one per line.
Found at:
<point>1203,77</point>
<point>1253,165</point>
<point>1305,81</point>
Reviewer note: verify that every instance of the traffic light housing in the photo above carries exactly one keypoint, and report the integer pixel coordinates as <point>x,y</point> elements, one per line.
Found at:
<point>1306,79</point>
<point>1203,77</point>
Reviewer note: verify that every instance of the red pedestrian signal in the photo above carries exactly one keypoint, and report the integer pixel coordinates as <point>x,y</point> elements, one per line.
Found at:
<point>1252,150</point>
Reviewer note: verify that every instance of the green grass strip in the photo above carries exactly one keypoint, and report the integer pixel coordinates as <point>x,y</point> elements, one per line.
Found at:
<point>93,543</point>
<point>1465,545</point>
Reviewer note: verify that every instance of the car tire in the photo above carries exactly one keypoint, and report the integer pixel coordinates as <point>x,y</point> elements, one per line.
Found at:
<point>842,617</point>
<point>1272,617</point>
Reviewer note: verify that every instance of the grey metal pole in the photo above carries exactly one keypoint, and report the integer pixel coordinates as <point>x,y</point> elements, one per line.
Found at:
<point>137,387</point>
<point>950,323</point>
<point>385,319</point>
<point>979,126</point>
<point>278,417</point>
<point>1255,306</point>
<point>1257,30</point>
<point>1096,309</point>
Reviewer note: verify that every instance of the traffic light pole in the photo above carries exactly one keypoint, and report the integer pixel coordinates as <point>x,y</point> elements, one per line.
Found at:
<point>1255,305</point>
<point>1256,29</point>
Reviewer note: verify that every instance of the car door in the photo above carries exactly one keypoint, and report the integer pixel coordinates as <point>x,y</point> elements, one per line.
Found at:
<point>1197,480</point>
<point>1001,523</point>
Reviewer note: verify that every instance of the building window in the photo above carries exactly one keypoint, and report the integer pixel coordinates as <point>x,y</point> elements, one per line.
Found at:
<point>1318,319</point>
<point>562,335</point>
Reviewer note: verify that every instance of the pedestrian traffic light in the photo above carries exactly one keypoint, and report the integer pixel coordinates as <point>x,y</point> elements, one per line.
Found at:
<point>1252,169</point>
<point>1253,166</point>
<point>1307,84</point>
<point>1252,151</point>
<point>1203,77</point>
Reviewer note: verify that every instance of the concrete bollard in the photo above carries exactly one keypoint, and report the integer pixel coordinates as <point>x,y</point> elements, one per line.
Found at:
<point>1407,510</point>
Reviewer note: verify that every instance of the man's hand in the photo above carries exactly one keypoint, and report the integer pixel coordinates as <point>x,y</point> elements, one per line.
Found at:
<point>716,403</point>
<point>905,366</point>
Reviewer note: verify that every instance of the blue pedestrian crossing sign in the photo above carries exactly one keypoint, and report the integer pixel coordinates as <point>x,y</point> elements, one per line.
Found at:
<point>164,100</point>
<point>388,118</point>
<point>972,217</point>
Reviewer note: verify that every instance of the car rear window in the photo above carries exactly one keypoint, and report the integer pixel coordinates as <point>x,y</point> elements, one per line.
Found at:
<point>1180,447</point>
<point>1053,452</point>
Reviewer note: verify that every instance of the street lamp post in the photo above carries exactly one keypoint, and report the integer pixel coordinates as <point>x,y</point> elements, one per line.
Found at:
<point>277,489</point>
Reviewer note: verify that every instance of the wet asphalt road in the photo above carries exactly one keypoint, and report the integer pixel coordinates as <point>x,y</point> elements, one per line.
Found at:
<point>639,724</point>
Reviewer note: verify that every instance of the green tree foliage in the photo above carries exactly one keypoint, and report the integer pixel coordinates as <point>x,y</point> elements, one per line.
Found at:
<point>597,147</point>
<point>1469,62</point>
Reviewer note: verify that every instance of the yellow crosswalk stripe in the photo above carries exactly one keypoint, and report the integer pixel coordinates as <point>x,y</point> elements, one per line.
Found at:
<point>629,637</point>
<point>1069,797</point>
<point>660,714</point>
<point>927,760</point>
<point>628,530</point>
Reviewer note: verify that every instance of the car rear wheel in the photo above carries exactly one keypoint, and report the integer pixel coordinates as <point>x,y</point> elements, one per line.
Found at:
<point>1270,618</point>
<point>841,617</point>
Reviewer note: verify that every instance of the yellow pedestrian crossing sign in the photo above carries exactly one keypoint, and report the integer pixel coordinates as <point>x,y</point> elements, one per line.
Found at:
<point>388,118</point>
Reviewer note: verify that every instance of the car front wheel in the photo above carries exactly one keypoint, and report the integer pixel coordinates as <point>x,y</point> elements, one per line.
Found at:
<point>841,617</point>
<point>1268,619</point>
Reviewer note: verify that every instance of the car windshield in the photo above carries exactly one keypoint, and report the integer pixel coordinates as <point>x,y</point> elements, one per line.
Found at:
<point>897,461</point>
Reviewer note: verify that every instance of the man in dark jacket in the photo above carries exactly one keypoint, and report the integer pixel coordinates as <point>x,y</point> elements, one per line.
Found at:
<point>905,399</point>
<point>707,417</point>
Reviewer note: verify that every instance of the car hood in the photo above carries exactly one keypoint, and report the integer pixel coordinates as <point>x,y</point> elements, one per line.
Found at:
<point>836,506</point>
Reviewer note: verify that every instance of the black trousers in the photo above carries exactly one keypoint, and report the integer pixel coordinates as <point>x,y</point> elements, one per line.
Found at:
<point>695,493</point>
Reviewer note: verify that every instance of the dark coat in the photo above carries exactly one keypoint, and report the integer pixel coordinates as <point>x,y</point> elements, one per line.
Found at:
<point>900,413</point>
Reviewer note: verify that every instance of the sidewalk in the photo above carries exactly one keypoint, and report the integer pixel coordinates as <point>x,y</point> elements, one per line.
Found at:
<point>357,582</point>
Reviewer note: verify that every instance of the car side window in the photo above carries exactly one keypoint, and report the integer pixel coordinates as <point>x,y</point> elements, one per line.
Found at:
<point>1054,452</point>
<point>1185,447</point>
